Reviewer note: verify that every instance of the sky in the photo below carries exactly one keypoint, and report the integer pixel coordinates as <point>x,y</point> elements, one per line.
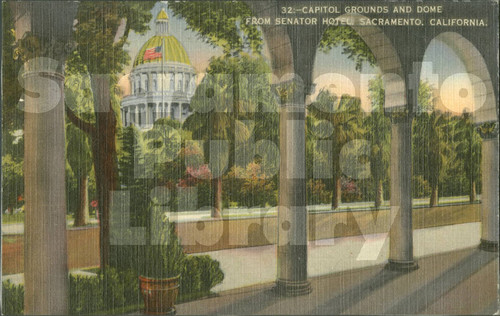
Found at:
<point>332,70</point>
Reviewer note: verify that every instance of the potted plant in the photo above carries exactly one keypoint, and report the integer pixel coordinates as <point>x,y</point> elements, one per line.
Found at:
<point>163,263</point>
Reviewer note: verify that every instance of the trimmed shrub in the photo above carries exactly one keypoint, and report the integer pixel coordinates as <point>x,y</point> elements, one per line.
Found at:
<point>114,289</point>
<point>12,298</point>
<point>191,277</point>
<point>201,274</point>
<point>210,272</point>
<point>85,294</point>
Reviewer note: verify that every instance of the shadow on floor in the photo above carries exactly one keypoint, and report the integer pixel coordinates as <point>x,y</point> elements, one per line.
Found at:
<point>251,304</point>
<point>417,301</point>
<point>357,293</point>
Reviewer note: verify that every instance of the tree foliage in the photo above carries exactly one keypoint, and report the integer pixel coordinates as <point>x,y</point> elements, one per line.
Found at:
<point>378,129</point>
<point>220,23</point>
<point>100,33</point>
<point>12,116</point>
<point>339,120</point>
<point>352,44</point>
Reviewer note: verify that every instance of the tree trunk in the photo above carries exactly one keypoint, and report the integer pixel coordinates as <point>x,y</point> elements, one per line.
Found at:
<point>82,212</point>
<point>337,192</point>
<point>472,192</point>
<point>105,165</point>
<point>379,194</point>
<point>217,195</point>
<point>434,196</point>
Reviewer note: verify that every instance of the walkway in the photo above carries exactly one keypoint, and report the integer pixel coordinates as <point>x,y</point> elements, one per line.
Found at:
<point>247,266</point>
<point>458,282</point>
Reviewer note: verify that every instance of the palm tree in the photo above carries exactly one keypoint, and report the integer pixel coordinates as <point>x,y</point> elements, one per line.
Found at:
<point>211,126</point>
<point>213,120</point>
<point>469,152</point>
<point>221,103</point>
<point>378,129</point>
<point>344,118</point>
<point>430,135</point>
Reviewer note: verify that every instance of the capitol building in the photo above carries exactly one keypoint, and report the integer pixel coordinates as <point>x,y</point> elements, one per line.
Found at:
<point>162,80</point>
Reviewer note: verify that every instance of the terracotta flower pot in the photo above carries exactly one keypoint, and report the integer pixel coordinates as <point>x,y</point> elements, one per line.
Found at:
<point>159,295</point>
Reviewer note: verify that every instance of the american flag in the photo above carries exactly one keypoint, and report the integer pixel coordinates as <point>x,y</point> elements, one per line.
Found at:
<point>152,53</point>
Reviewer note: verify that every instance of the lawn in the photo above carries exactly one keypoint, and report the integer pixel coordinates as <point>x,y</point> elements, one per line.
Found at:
<point>19,218</point>
<point>12,218</point>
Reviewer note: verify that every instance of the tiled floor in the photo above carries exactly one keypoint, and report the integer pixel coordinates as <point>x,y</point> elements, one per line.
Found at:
<point>248,266</point>
<point>457,282</point>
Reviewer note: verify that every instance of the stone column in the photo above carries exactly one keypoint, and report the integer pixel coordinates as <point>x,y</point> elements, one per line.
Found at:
<point>179,107</point>
<point>147,114</point>
<point>157,113</point>
<point>169,109</point>
<point>137,123</point>
<point>292,214</point>
<point>489,192</point>
<point>46,286</point>
<point>45,243</point>
<point>401,230</point>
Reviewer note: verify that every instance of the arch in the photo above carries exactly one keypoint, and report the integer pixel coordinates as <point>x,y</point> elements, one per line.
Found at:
<point>386,56</point>
<point>475,64</point>
<point>276,38</point>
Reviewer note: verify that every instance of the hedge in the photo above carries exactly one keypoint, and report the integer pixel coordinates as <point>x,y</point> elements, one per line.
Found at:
<point>119,289</point>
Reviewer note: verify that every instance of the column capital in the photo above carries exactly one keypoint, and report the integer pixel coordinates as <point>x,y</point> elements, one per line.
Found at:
<point>36,52</point>
<point>400,115</point>
<point>488,130</point>
<point>291,91</point>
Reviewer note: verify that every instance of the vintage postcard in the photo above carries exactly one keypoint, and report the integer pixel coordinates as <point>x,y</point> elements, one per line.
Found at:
<point>250,157</point>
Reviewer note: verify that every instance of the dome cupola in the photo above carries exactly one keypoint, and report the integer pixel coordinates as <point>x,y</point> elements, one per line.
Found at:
<point>162,45</point>
<point>162,23</point>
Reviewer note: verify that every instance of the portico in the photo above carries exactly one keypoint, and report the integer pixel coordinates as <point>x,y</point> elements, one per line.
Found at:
<point>399,55</point>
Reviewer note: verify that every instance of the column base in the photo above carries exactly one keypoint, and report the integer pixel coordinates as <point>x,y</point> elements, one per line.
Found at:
<point>487,245</point>
<point>292,288</point>
<point>403,266</point>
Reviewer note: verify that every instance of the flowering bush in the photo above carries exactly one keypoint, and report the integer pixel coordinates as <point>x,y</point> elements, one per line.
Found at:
<point>317,192</point>
<point>250,186</point>
<point>350,191</point>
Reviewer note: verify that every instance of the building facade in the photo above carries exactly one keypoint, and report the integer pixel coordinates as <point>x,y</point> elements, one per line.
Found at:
<point>162,80</point>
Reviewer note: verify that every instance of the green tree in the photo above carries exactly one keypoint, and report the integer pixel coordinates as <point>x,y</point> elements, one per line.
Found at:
<point>469,152</point>
<point>220,23</point>
<point>100,48</point>
<point>222,103</point>
<point>12,116</point>
<point>79,158</point>
<point>12,181</point>
<point>340,121</point>
<point>347,38</point>
<point>432,150</point>
<point>78,94</point>
<point>431,145</point>
<point>440,152</point>
<point>378,128</point>
<point>131,158</point>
